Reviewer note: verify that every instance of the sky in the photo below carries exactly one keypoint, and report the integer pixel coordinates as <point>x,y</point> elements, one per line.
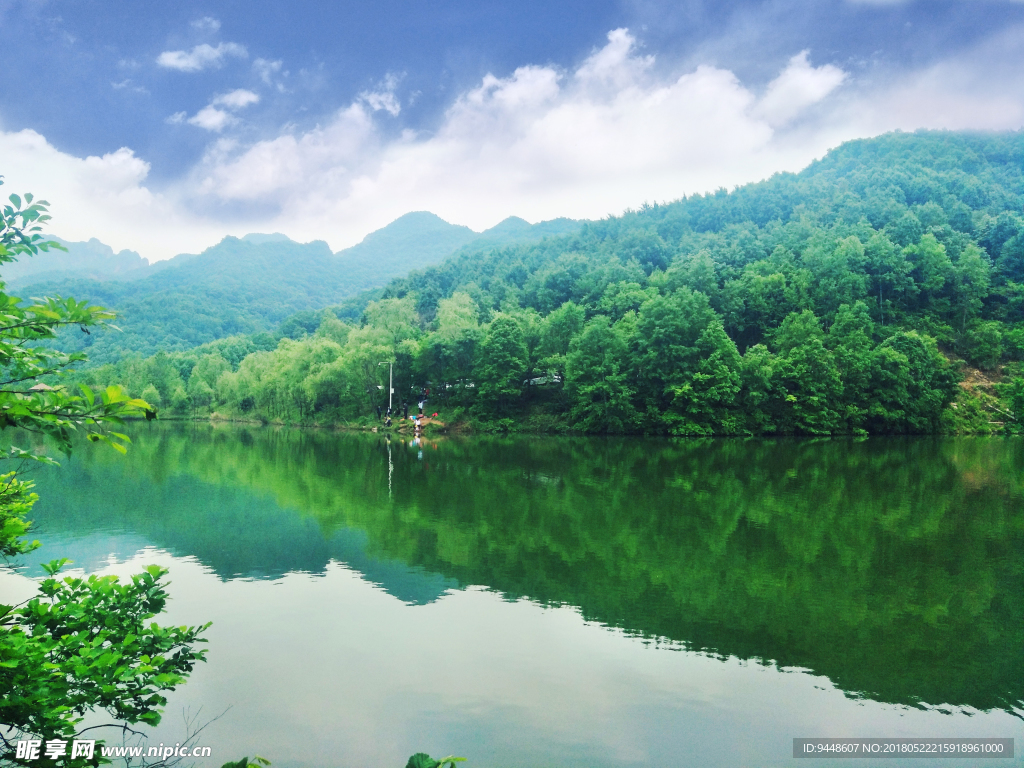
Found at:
<point>163,127</point>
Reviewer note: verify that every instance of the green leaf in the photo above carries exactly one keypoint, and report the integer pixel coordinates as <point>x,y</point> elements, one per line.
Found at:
<point>89,396</point>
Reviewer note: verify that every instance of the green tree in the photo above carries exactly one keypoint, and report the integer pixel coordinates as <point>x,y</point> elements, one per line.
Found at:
<point>596,380</point>
<point>705,403</point>
<point>162,374</point>
<point>210,368</point>
<point>697,272</point>
<point>688,366</point>
<point>911,384</point>
<point>332,328</point>
<point>971,278</point>
<point>850,340</point>
<point>890,276</point>
<point>447,355</point>
<point>758,394</point>
<point>152,396</point>
<point>83,644</point>
<point>200,394</point>
<point>26,402</point>
<point>559,329</point>
<point>981,344</point>
<point>765,294</point>
<point>501,365</point>
<point>806,372</point>
<point>839,275</point>
<point>932,267</point>
<point>1013,391</point>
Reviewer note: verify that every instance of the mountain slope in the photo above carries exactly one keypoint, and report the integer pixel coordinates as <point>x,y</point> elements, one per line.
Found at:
<point>92,260</point>
<point>833,301</point>
<point>239,286</point>
<point>407,243</point>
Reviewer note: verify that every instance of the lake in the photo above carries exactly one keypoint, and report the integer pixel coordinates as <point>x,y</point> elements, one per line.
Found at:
<point>534,601</point>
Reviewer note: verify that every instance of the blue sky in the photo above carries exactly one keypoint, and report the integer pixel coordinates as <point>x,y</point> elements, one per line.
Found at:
<point>163,127</point>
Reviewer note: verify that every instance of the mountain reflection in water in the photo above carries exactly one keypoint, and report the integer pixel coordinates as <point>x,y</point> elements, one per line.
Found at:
<point>895,567</point>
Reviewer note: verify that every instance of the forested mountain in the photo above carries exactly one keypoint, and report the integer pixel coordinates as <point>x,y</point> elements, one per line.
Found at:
<point>823,302</point>
<point>242,286</point>
<point>93,260</point>
<point>234,287</point>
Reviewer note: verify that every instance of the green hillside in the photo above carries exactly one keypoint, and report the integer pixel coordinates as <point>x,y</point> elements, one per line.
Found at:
<point>239,286</point>
<point>830,301</point>
<point>92,260</point>
<point>235,287</point>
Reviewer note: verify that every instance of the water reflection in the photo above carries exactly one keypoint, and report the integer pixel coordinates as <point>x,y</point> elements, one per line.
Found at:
<point>894,567</point>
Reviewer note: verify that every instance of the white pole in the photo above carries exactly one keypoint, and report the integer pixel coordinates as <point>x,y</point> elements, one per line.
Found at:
<point>391,382</point>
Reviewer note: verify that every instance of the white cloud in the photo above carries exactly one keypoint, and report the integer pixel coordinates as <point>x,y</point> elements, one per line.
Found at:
<point>266,70</point>
<point>980,89</point>
<point>616,64</point>
<point>212,117</point>
<point>201,57</point>
<point>177,118</point>
<point>612,133</point>
<point>384,97</point>
<point>268,168</point>
<point>798,87</point>
<point>236,99</point>
<point>382,100</point>
<point>128,85</point>
<point>104,197</point>
<point>206,24</point>
<point>540,142</point>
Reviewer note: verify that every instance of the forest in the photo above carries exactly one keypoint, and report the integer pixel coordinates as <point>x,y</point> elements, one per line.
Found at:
<point>240,286</point>
<point>880,290</point>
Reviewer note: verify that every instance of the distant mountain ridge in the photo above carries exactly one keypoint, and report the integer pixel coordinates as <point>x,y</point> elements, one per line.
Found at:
<point>92,260</point>
<point>242,285</point>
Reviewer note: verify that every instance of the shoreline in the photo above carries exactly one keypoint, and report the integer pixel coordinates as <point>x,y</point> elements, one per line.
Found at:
<point>465,427</point>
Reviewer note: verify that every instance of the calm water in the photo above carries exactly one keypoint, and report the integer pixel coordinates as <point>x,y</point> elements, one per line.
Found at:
<point>563,602</point>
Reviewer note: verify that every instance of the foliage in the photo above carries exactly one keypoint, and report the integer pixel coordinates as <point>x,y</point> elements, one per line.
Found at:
<point>423,760</point>
<point>245,762</point>
<point>16,501</point>
<point>823,302</point>
<point>1013,391</point>
<point>84,644</point>
<point>256,284</point>
<point>25,401</point>
<point>88,644</point>
<point>502,364</point>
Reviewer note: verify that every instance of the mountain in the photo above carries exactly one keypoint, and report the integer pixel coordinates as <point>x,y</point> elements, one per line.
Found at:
<point>516,230</point>
<point>241,285</point>
<point>92,260</point>
<point>409,242</point>
<point>832,301</point>
<point>421,239</point>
